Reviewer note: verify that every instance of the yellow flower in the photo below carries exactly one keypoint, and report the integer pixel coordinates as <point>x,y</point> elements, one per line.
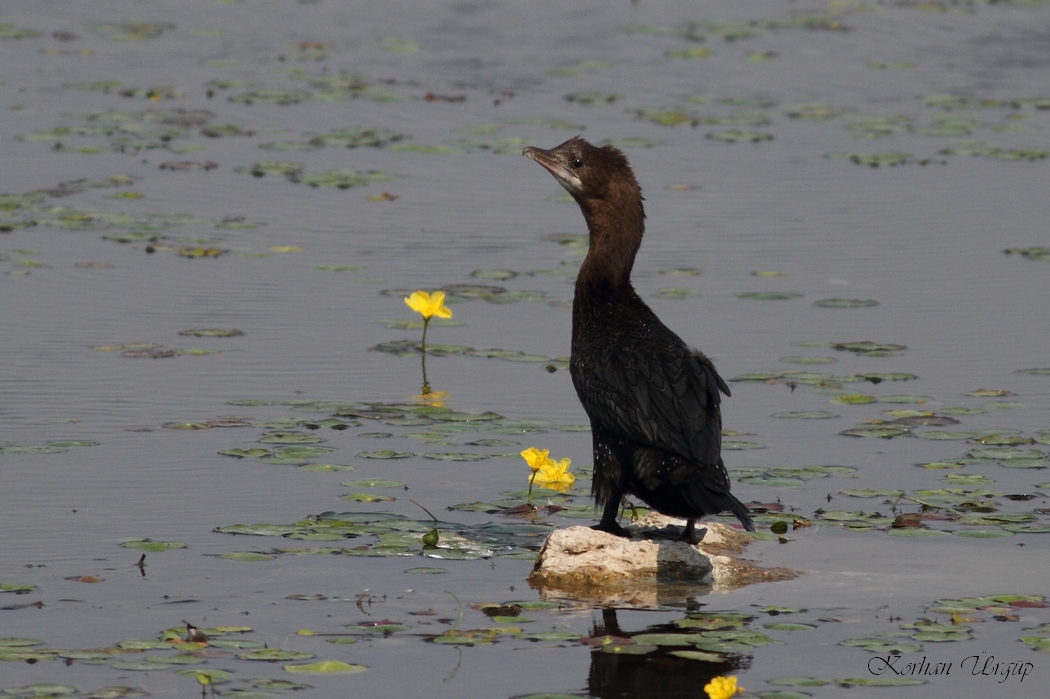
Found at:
<point>722,687</point>
<point>536,458</point>
<point>555,475</point>
<point>428,305</point>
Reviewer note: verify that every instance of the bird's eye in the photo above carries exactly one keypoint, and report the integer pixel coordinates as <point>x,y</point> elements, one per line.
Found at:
<point>576,163</point>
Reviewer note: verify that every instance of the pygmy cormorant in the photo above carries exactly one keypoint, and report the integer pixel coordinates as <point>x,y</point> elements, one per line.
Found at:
<point>653,401</point>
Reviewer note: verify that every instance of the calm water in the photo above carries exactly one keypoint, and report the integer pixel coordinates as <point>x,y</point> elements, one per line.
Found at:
<point>924,240</point>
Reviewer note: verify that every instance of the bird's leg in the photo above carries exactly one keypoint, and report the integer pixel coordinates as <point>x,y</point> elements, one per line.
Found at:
<point>609,517</point>
<point>689,535</point>
<point>627,504</point>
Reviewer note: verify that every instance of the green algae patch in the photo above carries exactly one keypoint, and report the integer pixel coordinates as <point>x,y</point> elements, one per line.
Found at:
<point>581,68</point>
<point>344,179</point>
<point>18,589</point>
<point>326,667</point>
<point>153,546</point>
<point>274,654</point>
<point>768,295</point>
<point>738,136</point>
<point>806,415</point>
<point>243,556</point>
<point>846,303</point>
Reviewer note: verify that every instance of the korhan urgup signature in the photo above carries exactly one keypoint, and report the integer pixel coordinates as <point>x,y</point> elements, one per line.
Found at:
<point>975,665</point>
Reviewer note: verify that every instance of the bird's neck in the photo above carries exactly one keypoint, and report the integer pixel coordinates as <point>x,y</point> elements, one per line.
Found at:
<point>615,226</point>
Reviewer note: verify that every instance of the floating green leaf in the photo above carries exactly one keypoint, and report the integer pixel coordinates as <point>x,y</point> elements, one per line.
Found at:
<point>737,136</point>
<point>326,667</point>
<point>344,179</point>
<point>274,654</point>
<point>245,556</point>
<point>769,295</point>
<point>385,454</point>
<point>789,626</point>
<point>845,303</point>
<point>153,546</point>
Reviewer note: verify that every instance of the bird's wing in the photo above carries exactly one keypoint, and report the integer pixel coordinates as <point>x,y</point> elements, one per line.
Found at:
<point>658,393</point>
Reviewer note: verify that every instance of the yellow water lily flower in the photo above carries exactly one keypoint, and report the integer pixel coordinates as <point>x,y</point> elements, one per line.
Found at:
<point>722,687</point>
<point>429,305</point>
<point>555,475</point>
<point>536,458</point>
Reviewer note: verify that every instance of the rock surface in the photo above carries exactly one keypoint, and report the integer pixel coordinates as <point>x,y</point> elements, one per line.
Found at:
<point>581,562</point>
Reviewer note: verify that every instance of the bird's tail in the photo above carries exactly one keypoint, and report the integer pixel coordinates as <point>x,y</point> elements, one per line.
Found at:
<point>740,510</point>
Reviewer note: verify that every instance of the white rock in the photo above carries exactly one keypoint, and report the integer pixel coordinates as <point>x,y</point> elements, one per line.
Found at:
<point>606,569</point>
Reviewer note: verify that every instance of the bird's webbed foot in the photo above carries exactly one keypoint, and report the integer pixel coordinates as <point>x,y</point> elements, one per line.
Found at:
<point>690,535</point>
<point>612,528</point>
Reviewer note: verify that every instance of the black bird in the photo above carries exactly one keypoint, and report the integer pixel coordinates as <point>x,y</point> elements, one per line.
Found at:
<point>653,401</point>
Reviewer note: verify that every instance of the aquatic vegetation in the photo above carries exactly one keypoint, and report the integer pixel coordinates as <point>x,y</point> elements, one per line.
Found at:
<point>581,68</point>
<point>1038,253</point>
<point>846,303</point>
<point>343,179</point>
<point>131,30</point>
<point>816,111</point>
<point>769,295</point>
<point>547,472</point>
<point>555,475</point>
<point>722,688</point>
<point>427,305</point>
<point>10,31</point>
<point>737,136</point>
<point>588,99</point>
<point>691,52</point>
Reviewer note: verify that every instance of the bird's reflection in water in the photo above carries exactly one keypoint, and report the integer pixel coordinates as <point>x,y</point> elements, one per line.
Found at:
<point>654,674</point>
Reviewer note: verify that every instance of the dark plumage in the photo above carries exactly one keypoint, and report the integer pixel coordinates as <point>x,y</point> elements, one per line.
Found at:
<point>653,401</point>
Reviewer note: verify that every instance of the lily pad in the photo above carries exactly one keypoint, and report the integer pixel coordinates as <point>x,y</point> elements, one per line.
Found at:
<point>853,399</point>
<point>1006,453</point>
<point>878,681</point>
<point>916,533</point>
<point>737,136</point>
<point>456,456</point>
<point>366,497</point>
<point>769,295</point>
<point>274,654</point>
<point>809,360</point>
<point>788,626</point>
<point>845,303</point>
<point>677,293</point>
<point>344,179</point>
<point>982,533</point>
<point>244,556</point>
<point>153,546</point>
<point>385,454</point>
<point>326,667</point>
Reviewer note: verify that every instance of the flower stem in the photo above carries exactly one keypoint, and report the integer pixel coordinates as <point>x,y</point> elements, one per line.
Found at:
<point>528,498</point>
<point>426,384</point>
